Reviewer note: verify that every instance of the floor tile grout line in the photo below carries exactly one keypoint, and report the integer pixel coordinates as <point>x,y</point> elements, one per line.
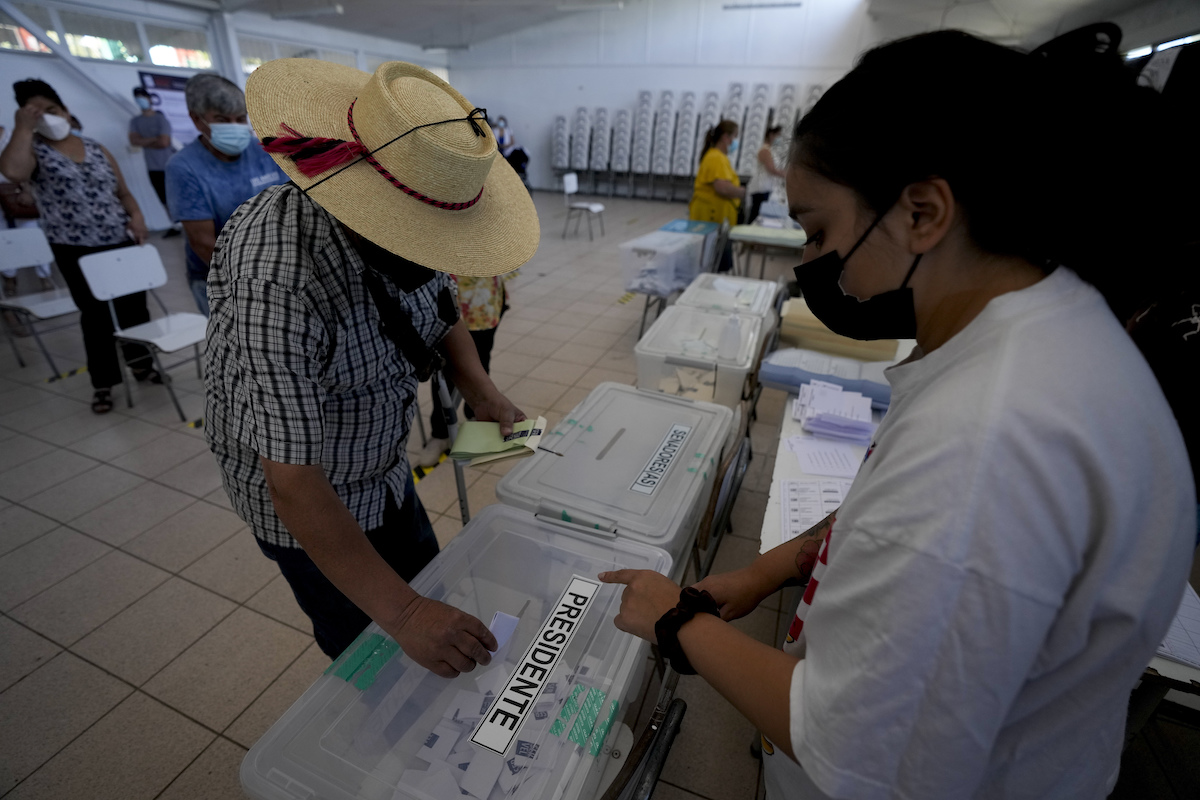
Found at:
<point>134,690</point>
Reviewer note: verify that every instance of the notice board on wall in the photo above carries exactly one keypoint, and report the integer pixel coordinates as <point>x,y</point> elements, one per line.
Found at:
<point>167,96</point>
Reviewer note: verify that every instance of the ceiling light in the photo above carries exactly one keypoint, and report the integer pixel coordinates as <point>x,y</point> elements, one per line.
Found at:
<point>1178,42</point>
<point>1140,52</point>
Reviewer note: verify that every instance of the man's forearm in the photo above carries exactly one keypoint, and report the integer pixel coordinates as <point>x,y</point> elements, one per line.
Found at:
<point>464,365</point>
<point>314,514</point>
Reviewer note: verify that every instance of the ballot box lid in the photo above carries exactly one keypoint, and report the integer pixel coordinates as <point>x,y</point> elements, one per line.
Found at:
<point>729,294</point>
<point>633,462</point>
<point>693,336</point>
<point>376,726</point>
<point>664,242</point>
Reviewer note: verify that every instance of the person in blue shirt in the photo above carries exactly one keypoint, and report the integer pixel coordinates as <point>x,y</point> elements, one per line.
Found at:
<point>221,169</point>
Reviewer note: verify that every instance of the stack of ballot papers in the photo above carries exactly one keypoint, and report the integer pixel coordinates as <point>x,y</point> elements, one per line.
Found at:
<point>826,410</point>
<point>481,442</point>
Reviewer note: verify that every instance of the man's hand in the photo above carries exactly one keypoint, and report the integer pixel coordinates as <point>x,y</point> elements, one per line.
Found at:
<point>28,117</point>
<point>498,408</point>
<point>441,638</point>
<point>647,596</point>
<point>738,592</point>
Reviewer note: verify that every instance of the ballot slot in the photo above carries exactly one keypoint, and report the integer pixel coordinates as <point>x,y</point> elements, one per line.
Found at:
<point>681,354</point>
<point>635,463</point>
<point>394,730</point>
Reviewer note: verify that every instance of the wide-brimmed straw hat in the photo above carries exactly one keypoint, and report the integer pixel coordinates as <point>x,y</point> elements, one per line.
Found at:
<point>440,195</point>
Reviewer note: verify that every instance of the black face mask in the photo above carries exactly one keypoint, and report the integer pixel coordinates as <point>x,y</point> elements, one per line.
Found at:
<point>887,315</point>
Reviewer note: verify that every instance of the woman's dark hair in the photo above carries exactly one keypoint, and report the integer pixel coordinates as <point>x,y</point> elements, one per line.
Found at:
<point>716,132</point>
<point>28,89</point>
<point>771,131</point>
<point>1048,162</point>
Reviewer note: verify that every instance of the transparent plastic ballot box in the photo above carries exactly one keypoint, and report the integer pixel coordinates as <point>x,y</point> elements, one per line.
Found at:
<point>689,338</point>
<point>532,725</point>
<point>636,465</point>
<point>661,262</point>
<point>731,294</point>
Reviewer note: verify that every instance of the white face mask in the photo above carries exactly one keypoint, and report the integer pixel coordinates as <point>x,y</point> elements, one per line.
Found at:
<point>54,127</point>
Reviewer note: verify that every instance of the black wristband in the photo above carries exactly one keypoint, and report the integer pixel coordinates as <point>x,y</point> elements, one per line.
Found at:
<point>666,630</point>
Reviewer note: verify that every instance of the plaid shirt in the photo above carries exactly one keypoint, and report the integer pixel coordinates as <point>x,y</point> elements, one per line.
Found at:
<point>297,370</point>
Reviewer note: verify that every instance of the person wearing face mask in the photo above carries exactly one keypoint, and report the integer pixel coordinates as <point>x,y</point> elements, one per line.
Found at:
<point>1015,544</point>
<point>766,175</point>
<point>718,192</point>
<point>151,131</point>
<point>218,171</point>
<point>85,208</point>
<point>504,137</point>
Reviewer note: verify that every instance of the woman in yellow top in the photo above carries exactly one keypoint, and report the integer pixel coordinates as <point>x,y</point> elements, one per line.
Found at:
<point>718,192</point>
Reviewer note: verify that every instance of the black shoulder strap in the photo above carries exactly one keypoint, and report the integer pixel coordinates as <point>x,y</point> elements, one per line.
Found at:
<point>394,324</point>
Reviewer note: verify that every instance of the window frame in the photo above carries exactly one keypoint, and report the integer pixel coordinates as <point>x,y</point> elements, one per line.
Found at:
<point>139,23</point>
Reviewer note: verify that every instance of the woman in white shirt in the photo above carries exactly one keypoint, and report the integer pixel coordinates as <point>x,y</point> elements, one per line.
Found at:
<point>766,176</point>
<point>1015,544</point>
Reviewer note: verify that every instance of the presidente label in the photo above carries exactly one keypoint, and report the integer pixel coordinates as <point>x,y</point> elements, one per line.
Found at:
<point>658,465</point>
<point>514,704</point>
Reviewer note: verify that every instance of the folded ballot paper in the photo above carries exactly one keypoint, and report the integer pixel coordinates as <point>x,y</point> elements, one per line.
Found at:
<point>481,442</point>
<point>826,410</point>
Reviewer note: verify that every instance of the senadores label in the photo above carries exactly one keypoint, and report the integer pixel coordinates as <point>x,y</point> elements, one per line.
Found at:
<point>515,702</point>
<point>658,465</point>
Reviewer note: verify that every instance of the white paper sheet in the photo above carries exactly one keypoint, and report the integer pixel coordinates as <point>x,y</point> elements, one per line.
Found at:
<point>821,457</point>
<point>502,627</point>
<point>802,504</point>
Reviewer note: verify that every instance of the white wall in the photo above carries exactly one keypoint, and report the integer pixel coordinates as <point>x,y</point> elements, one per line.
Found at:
<point>604,58</point>
<point>108,123</point>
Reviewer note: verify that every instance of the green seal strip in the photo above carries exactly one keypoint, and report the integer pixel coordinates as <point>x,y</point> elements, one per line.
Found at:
<point>569,708</point>
<point>565,516</point>
<point>359,650</point>
<point>601,732</point>
<point>380,656</point>
<point>587,717</point>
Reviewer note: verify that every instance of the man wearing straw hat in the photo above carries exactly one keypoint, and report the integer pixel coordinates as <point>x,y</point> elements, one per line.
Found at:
<point>330,299</point>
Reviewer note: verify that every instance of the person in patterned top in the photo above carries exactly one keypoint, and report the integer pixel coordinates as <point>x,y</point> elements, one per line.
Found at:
<point>482,302</point>
<point>85,208</point>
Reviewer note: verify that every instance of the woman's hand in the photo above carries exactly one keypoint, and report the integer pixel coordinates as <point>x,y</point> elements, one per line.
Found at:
<point>738,592</point>
<point>27,117</point>
<point>137,229</point>
<point>647,596</point>
<point>495,407</point>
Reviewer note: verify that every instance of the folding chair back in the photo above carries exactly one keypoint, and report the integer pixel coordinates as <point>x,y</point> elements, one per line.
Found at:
<point>115,273</point>
<point>570,185</point>
<point>24,247</point>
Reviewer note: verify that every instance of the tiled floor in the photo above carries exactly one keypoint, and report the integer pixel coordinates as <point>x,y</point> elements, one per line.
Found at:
<point>145,643</point>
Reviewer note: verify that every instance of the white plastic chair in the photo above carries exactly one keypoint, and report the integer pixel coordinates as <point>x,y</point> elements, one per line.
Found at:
<point>27,247</point>
<point>116,273</point>
<point>570,187</point>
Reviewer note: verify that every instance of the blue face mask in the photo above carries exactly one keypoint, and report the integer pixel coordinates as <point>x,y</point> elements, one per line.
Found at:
<point>230,138</point>
<point>733,146</point>
<point>143,103</point>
